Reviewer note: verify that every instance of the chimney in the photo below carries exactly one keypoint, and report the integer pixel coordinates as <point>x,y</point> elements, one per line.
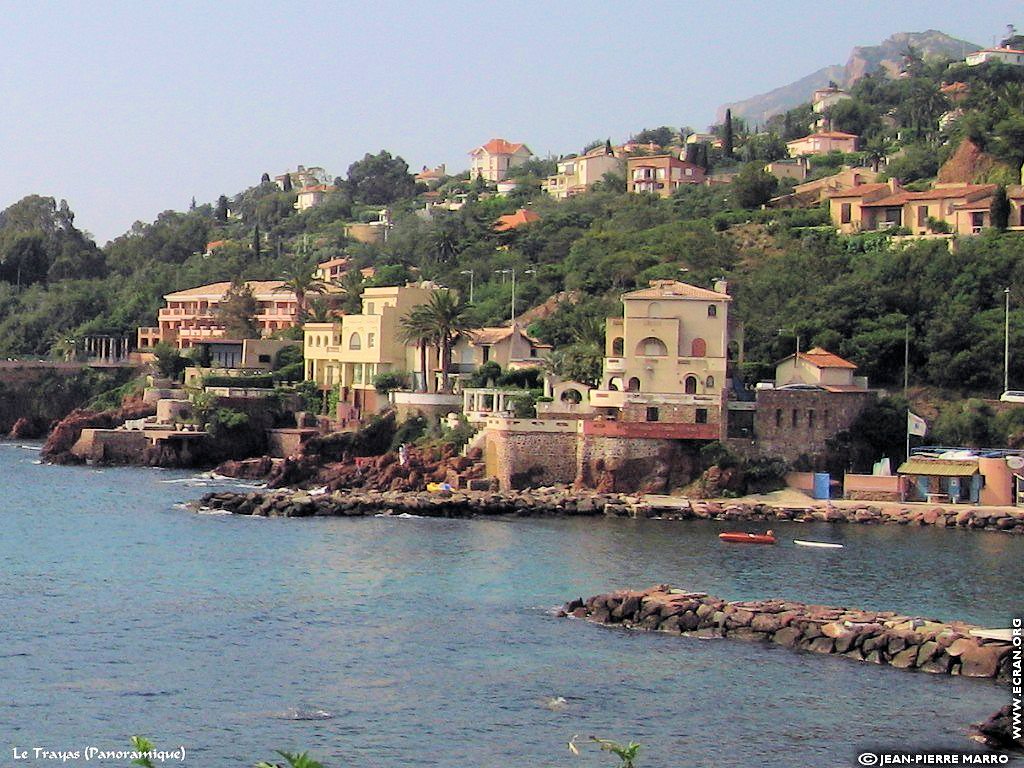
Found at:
<point>894,185</point>
<point>721,285</point>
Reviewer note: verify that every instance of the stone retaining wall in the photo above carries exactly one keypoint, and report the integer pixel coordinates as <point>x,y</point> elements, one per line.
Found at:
<point>984,518</point>
<point>884,637</point>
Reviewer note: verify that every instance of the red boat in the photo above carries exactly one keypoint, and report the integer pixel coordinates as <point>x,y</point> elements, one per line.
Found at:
<point>738,537</point>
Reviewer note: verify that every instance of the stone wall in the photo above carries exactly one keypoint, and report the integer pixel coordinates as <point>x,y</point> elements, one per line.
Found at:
<point>519,458</point>
<point>111,446</point>
<point>878,637</point>
<point>791,423</point>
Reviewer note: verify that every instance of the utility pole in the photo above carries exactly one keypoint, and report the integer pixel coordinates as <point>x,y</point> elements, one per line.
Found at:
<point>906,358</point>
<point>1006,343</point>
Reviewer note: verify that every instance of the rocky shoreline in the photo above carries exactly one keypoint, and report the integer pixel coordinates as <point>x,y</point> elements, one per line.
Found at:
<point>878,637</point>
<point>974,518</point>
<point>537,502</point>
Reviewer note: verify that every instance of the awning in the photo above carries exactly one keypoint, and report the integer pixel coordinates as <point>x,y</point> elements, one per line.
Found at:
<point>939,467</point>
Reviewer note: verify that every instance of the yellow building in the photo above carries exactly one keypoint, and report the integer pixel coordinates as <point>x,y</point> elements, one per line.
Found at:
<point>349,352</point>
<point>665,363</point>
<point>578,174</point>
<point>508,346</point>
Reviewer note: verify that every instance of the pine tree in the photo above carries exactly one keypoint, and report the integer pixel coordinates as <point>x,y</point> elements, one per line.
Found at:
<point>727,138</point>
<point>192,205</point>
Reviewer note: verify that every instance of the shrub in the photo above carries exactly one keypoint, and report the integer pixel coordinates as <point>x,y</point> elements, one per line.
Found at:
<point>386,383</point>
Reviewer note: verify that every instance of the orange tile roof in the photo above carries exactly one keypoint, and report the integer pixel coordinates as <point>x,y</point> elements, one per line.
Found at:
<point>215,244</point>
<point>338,262</point>
<point>493,335</point>
<point>822,358</point>
<point>825,135</point>
<point>861,190</point>
<point>673,289</point>
<point>500,147</point>
<point>970,191</point>
<point>514,220</point>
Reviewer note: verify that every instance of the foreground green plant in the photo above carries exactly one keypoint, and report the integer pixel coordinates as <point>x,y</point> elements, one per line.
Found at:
<point>627,753</point>
<point>293,760</point>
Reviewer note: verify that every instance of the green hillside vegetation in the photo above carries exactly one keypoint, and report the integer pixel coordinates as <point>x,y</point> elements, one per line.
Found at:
<point>857,296</point>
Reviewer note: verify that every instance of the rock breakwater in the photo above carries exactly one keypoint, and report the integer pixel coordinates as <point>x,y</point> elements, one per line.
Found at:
<point>975,518</point>
<point>878,637</point>
<point>537,502</point>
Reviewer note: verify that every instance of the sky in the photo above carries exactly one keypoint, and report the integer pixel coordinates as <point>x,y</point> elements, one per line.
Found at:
<point>127,109</point>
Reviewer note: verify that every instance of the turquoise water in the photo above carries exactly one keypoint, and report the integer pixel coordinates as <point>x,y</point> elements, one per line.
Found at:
<point>431,642</point>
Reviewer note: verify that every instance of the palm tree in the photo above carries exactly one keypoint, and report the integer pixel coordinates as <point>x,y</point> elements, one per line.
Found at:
<point>298,278</point>
<point>349,291</point>
<point>416,328</point>
<point>445,314</point>
<point>876,152</point>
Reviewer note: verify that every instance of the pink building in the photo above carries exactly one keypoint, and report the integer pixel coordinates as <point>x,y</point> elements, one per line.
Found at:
<point>822,143</point>
<point>190,316</point>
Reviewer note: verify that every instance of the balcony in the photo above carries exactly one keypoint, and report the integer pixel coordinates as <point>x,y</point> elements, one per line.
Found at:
<point>614,365</point>
<point>600,398</point>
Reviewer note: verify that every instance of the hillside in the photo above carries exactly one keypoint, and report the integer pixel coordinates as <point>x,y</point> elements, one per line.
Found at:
<point>888,56</point>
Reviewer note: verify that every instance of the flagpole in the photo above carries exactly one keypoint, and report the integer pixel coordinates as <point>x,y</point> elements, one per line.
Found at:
<point>908,434</point>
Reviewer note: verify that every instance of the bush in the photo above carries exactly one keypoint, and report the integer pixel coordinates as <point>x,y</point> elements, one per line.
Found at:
<point>765,475</point>
<point>386,383</point>
<point>409,431</point>
<point>717,454</point>
<point>486,375</point>
<point>169,361</point>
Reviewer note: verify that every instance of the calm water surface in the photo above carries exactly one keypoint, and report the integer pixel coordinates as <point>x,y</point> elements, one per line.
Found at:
<point>431,642</point>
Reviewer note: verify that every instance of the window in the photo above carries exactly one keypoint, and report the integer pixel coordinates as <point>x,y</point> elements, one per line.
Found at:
<point>845,214</point>
<point>810,419</point>
<point>778,417</point>
<point>709,382</point>
<point>618,347</point>
<point>371,340</point>
<point>652,347</point>
<point>354,342</point>
<point>690,385</point>
<point>369,307</point>
<point>827,417</point>
<point>486,350</point>
<point>699,348</point>
<point>796,417</point>
<point>652,414</point>
<point>264,358</point>
<point>922,215</point>
<point>701,416</point>
<point>633,385</point>
<point>712,310</point>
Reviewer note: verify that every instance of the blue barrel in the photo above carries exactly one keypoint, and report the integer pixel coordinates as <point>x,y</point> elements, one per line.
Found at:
<point>822,481</point>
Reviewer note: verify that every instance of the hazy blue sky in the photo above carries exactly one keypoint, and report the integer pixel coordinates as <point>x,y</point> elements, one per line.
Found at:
<point>127,109</point>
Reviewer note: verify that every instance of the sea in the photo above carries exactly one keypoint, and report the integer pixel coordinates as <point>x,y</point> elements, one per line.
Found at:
<point>395,642</point>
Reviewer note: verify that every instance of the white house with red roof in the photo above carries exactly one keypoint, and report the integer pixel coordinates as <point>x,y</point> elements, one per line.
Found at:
<point>819,367</point>
<point>823,142</point>
<point>493,161</point>
<point>1003,55</point>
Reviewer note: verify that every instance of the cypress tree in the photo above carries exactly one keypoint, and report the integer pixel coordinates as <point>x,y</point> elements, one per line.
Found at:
<point>264,178</point>
<point>287,182</point>
<point>608,147</point>
<point>256,241</point>
<point>999,211</point>
<point>727,138</point>
<point>221,211</point>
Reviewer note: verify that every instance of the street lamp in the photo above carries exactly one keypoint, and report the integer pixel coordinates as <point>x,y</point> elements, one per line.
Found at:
<point>512,272</point>
<point>470,273</point>
<point>1006,343</point>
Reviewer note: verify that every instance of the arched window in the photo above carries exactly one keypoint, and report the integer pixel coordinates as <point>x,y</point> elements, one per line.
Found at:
<point>618,347</point>
<point>699,348</point>
<point>690,385</point>
<point>712,310</point>
<point>354,342</point>
<point>652,347</point>
<point>709,382</point>
<point>572,396</point>
<point>633,385</point>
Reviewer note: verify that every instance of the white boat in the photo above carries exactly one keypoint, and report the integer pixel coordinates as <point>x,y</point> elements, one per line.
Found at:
<point>822,544</point>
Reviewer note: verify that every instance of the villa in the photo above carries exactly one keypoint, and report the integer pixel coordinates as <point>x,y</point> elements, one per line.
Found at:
<point>493,161</point>
<point>661,174</point>
<point>578,174</point>
<point>822,143</point>
<point>190,316</point>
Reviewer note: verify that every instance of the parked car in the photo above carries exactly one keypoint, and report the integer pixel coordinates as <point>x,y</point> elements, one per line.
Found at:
<point>1012,396</point>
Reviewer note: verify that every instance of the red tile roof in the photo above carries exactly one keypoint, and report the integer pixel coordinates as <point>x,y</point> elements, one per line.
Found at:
<point>500,147</point>
<point>673,289</point>
<point>822,358</point>
<point>513,220</point>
